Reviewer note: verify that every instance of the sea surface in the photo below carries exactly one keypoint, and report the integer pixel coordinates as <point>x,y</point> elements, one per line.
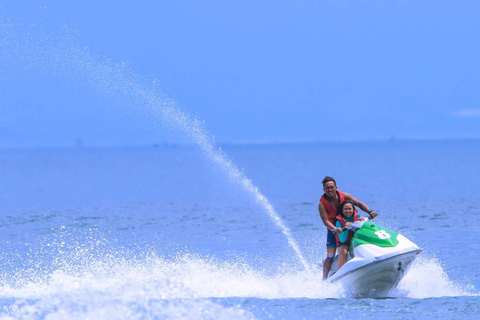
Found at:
<point>163,233</point>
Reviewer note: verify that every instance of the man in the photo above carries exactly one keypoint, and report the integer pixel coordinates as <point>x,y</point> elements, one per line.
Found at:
<point>329,202</point>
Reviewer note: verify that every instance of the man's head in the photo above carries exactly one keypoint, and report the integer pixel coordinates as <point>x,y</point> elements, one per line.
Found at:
<point>327,179</point>
<point>329,186</point>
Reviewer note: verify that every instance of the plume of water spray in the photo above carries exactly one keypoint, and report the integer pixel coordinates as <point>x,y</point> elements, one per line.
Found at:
<point>32,47</point>
<point>205,141</point>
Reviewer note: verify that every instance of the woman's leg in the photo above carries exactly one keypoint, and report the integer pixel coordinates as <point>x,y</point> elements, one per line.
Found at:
<point>342,255</point>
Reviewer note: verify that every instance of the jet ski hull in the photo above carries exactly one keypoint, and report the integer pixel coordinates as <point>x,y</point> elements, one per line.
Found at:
<point>378,259</point>
<point>376,279</point>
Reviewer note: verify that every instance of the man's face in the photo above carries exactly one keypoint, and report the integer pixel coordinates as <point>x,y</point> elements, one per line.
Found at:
<point>330,188</point>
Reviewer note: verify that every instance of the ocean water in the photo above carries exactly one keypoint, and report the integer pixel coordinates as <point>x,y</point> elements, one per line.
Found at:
<point>166,233</point>
<point>189,231</point>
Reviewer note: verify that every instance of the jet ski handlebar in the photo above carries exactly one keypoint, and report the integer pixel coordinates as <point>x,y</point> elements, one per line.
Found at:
<point>355,225</point>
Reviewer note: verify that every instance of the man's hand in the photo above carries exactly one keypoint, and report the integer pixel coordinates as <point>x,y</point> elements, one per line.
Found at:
<point>337,230</point>
<point>373,214</point>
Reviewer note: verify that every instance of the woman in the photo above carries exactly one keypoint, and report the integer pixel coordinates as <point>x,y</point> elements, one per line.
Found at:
<point>346,215</point>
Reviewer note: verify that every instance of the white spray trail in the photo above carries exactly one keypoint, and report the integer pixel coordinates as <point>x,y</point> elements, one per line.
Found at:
<point>205,141</point>
<point>32,48</point>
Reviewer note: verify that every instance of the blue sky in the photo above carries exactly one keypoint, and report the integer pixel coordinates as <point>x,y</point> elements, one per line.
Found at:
<point>255,71</point>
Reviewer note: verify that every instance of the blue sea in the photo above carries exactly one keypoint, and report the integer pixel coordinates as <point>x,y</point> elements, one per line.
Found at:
<point>170,232</point>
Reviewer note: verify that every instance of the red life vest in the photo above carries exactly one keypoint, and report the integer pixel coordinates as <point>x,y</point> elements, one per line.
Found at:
<point>331,210</point>
<point>343,222</point>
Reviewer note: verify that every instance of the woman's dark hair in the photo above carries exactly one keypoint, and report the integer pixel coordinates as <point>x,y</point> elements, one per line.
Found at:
<point>340,209</point>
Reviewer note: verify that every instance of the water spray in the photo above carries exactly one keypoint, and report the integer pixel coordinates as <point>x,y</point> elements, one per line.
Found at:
<point>39,50</point>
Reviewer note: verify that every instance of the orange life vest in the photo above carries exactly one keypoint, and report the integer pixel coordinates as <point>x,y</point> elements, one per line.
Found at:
<point>331,210</point>
<point>343,222</point>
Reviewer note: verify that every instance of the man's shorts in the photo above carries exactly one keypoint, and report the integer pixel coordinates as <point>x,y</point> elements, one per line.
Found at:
<point>331,244</point>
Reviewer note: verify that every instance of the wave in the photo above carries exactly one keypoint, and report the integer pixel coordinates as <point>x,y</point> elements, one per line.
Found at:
<point>188,275</point>
<point>179,287</point>
<point>428,279</point>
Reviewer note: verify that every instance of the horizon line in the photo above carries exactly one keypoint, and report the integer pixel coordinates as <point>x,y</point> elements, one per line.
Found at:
<point>234,143</point>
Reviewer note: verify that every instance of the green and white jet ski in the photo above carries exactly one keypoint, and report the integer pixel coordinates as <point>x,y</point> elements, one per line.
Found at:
<point>377,260</point>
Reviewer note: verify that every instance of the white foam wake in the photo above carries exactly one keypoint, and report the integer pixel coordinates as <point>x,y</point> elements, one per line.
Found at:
<point>428,279</point>
<point>183,287</point>
<point>79,285</point>
<point>184,277</point>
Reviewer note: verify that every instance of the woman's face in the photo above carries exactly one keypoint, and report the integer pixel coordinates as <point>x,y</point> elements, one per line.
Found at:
<point>347,210</point>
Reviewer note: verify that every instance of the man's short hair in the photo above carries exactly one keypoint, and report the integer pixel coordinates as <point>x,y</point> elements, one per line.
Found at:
<point>327,179</point>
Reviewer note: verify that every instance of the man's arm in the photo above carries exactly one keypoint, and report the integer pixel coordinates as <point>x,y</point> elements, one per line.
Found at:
<point>360,204</point>
<point>326,221</point>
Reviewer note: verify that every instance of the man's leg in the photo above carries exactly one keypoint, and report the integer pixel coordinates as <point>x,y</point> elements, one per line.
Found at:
<point>327,264</point>
<point>331,248</point>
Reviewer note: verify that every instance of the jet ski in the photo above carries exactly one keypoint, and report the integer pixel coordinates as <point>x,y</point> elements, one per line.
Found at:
<point>377,260</point>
